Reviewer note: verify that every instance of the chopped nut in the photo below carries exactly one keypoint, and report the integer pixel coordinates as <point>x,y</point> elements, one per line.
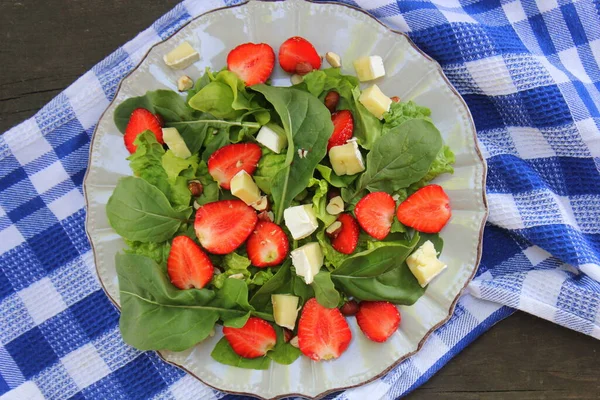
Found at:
<point>396,197</point>
<point>331,100</point>
<point>266,216</point>
<point>333,59</point>
<point>262,204</point>
<point>237,276</point>
<point>302,153</point>
<point>395,99</point>
<point>335,206</point>
<point>195,187</point>
<point>184,83</point>
<point>296,79</point>
<point>303,68</point>
<point>334,228</point>
<point>196,205</point>
<point>349,308</point>
<point>294,341</point>
<point>271,216</point>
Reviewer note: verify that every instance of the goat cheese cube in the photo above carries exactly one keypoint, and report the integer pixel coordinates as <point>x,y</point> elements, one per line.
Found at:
<point>346,159</point>
<point>272,138</point>
<point>369,68</point>
<point>244,188</point>
<point>300,220</point>
<point>307,260</point>
<point>375,101</point>
<point>424,264</point>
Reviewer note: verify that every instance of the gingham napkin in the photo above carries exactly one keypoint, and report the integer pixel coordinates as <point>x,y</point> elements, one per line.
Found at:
<point>530,75</point>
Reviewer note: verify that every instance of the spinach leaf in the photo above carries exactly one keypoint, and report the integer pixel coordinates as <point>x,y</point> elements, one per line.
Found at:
<point>268,166</point>
<point>214,141</point>
<point>224,354</point>
<point>300,289</point>
<point>319,82</point>
<point>441,164</point>
<point>154,314</point>
<point>278,284</point>
<point>216,99</point>
<point>367,127</point>
<point>200,83</point>
<point>232,297</point>
<point>167,103</point>
<point>333,179</point>
<point>199,131</point>
<point>307,123</point>
<point>283,353</point>
<point>140,212</point>
<point>325,292</point>
<point>380,274</point>
<point>401,157</point>
<point>438,242</point>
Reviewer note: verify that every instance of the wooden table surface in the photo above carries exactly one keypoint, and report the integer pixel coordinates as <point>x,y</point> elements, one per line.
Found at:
<point>46,45</point>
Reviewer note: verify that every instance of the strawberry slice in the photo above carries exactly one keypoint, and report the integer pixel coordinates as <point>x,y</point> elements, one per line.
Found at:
<point>224,163</point>
<point>252,62</point>
<point>267,245</point>
<point>375,213</point>
<point>253,339</point>
<point>343,127</point>
<point>297,50</point>
<point>378,320</point>
<point>345,238</point>
<point>141,120</point>
<point>427,210</point>
<point>323,333</point>
<point>188,266</point>
<point>222,226</point>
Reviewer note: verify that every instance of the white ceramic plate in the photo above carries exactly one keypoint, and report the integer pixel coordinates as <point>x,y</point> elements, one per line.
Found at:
<point>411,75</point>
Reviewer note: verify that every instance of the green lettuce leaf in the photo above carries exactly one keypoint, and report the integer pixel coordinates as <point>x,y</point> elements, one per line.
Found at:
<point>402,112</point>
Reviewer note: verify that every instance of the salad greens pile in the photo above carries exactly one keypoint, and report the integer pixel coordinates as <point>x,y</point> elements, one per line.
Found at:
<point>403,153</point>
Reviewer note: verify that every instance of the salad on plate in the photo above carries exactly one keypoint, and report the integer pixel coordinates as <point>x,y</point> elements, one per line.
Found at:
<point>275,212</point>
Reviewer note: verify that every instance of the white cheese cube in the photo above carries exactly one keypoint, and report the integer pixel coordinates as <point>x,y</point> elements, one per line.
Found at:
<point>285,310</point>
<point>272,138</point>
<point>300,221</point>
<point>175,142</point>
<point>424,264</point>
<point>307,260</point>
<point>244,188</point>
<point>369,68</point>
<point>375,101</point>
<point>181,56</point>
<point>346,159</point>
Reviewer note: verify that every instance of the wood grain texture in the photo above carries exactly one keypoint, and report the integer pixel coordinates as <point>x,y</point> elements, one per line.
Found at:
<point>46,45</point>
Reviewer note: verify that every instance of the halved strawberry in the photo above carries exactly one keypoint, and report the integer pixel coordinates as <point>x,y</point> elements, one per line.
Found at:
<point>323,333</point>
<point>427,210</point>
<point>188,266</point>
<point>224,163</point>
<point>253,339</point>
<point>378,319</point>
<point>222,226</point>
<point>252,62</point>
<point>297,50</point>
<point>345,239</point>
<point>141,120</point>
<point>375,213</point>
<point>268,245</point>
<point>343,127</point>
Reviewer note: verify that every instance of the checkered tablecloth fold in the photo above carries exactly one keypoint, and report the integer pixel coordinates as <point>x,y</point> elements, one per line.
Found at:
<point>529,72</point>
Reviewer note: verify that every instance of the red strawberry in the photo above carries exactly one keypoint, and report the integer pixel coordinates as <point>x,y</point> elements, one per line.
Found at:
<point>295,51</point>
<point>253,339</point>
<point>141,120</point>
<point>378,319</point>
<point>267,245</point>
<point>375,213</point>
<point>345,238</point>
<point>323,333</point>
<point>343,127</point>
<point>188,266</point>
<point>222,226</point>
<point>224,163</point>
<point>252,62</point>
<point>427,210</point>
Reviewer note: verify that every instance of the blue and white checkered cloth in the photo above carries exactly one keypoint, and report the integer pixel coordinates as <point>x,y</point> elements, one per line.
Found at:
<point>530,74</point>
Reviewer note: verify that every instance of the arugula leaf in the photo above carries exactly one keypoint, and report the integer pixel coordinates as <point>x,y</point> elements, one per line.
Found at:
<point>380,274</point>
<point>167,103</point>
<point>403,111</point>
<point>140,212</point>
<point>283,353</point>
<point>325,292</point>
<point>224,354</point>
<point>401,157</point>
<point>307,123</point>
<point>154,314</point>
<point>232,297</point>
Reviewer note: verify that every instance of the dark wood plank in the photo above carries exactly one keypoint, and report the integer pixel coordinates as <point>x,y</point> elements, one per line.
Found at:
<point>46,45</point>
